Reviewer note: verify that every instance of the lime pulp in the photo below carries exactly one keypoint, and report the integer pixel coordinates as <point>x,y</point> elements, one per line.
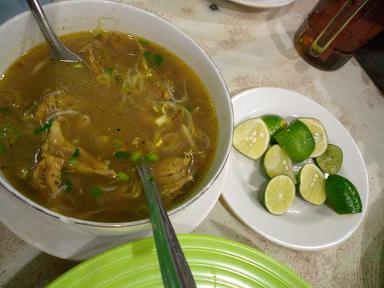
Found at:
<point>251,138</point>
<point>312,184</point>
<point>277,162</point>
<point>279,194</point>
<point>331,160</point>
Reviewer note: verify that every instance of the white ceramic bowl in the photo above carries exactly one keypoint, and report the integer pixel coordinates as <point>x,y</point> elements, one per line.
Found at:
<point>22,33</point>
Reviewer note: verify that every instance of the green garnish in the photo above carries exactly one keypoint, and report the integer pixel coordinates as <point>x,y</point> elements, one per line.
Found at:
<point>143,42</point>
<point>4,109</point>
<point>76,154</point>
<point>151,179</point>
<point>118,144</point>
<point>44,128</point>
<point>96,192</point>
<point>108,70</point>
<point>121,176</point>
<point>155,59</point>
<point>9,135</point>
<point>117,78</point>
<point>67,185</point>
<point>136,156</point>
<point>122,155</point>
<point>151,157</point>
<point>98,34</point>
<point>2,148</point>
<point>78,66</point>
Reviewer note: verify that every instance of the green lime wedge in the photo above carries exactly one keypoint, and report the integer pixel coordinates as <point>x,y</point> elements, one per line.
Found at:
<point>342,195</point>
<point>319,135</point>
<point>312,184</point>
<point>279,194</point>
<point>331,160</point>
<point>274,123</point>
<point>296,140</point>
<point>251,138</point>
<point>277,162</point>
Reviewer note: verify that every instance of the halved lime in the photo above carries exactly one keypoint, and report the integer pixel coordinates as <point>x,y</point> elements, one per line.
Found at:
<point>312,184</point>
<point>342,195</point>
<point>296,140</point>
<point>318,133</point>
<point>331,160</point>
<point>279,194</point>
<point>274,123</point>
<point>277,162</point>
<point>251,138</point>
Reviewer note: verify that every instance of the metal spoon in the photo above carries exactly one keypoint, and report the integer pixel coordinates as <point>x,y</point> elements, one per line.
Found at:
<point>59,51</point>
<point>173,265</point>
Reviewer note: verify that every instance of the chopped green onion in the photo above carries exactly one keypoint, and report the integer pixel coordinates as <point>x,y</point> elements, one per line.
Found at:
<point>151,157</point>
<point>4,109</point>
<point>158,59</point>
<point>189,108</point>
<point>99,34</point>
<point>117,78</point>
<point>147,55</point>
<point>76,154</point>
<point>155,59</point>
<point>108,70</point>
<point>143,42</point>
<point>151,179</point>
<point>44,128</point>
<point>121,176</point>
<point>2,148</point>
<point>67,185</point>
<point>96,192</point>
<point>122,155</point>
<point>78,66</point>
<point>136,156</point>
<point>9,135</point>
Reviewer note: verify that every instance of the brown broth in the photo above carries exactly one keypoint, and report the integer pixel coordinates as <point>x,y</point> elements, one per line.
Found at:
<point>132,96</point>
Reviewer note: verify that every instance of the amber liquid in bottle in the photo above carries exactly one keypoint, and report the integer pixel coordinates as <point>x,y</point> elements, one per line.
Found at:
<point>335,29</point>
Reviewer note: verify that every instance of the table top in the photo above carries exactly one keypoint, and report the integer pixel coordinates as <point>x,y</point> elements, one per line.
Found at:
<point>253,48</point>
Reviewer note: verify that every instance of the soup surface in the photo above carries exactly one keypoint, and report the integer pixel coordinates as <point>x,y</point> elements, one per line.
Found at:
<point>71,133</point>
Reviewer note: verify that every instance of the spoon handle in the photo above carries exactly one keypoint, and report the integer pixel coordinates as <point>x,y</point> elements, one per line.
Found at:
<point>173,265</point>
<point>59,51</point>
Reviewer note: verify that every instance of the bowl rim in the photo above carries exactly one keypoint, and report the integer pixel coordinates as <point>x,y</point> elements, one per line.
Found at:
<point>94,224</point>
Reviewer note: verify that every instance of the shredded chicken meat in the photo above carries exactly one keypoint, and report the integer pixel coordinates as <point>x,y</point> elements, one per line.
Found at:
<point>51,104</point>
<point>172,174</point>
<point>55,153</point>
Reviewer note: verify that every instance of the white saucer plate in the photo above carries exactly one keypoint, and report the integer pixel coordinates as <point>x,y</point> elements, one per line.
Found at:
<point>304,226</point>
<point>263,3</point>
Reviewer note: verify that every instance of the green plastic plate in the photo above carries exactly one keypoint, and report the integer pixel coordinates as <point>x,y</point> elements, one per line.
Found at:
<point>215,262</point>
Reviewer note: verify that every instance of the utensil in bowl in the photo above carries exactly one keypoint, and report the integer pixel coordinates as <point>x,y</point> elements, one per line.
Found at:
<point>173,265</point>
<point>59,51</point>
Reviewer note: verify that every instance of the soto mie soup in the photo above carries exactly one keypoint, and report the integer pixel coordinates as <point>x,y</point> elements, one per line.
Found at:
<point>70,133</point>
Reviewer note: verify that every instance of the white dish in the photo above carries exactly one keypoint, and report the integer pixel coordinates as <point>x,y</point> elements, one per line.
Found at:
<point>263,3</point>
<point>68,237</point>
<point>304,226</point>
<point>70,242</point>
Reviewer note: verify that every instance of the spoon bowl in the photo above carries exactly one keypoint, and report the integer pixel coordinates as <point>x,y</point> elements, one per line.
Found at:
<point>59,51</point>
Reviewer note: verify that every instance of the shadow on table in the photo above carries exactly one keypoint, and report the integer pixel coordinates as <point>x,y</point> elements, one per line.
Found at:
<point>372,262</point>
<point>39,272</point>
